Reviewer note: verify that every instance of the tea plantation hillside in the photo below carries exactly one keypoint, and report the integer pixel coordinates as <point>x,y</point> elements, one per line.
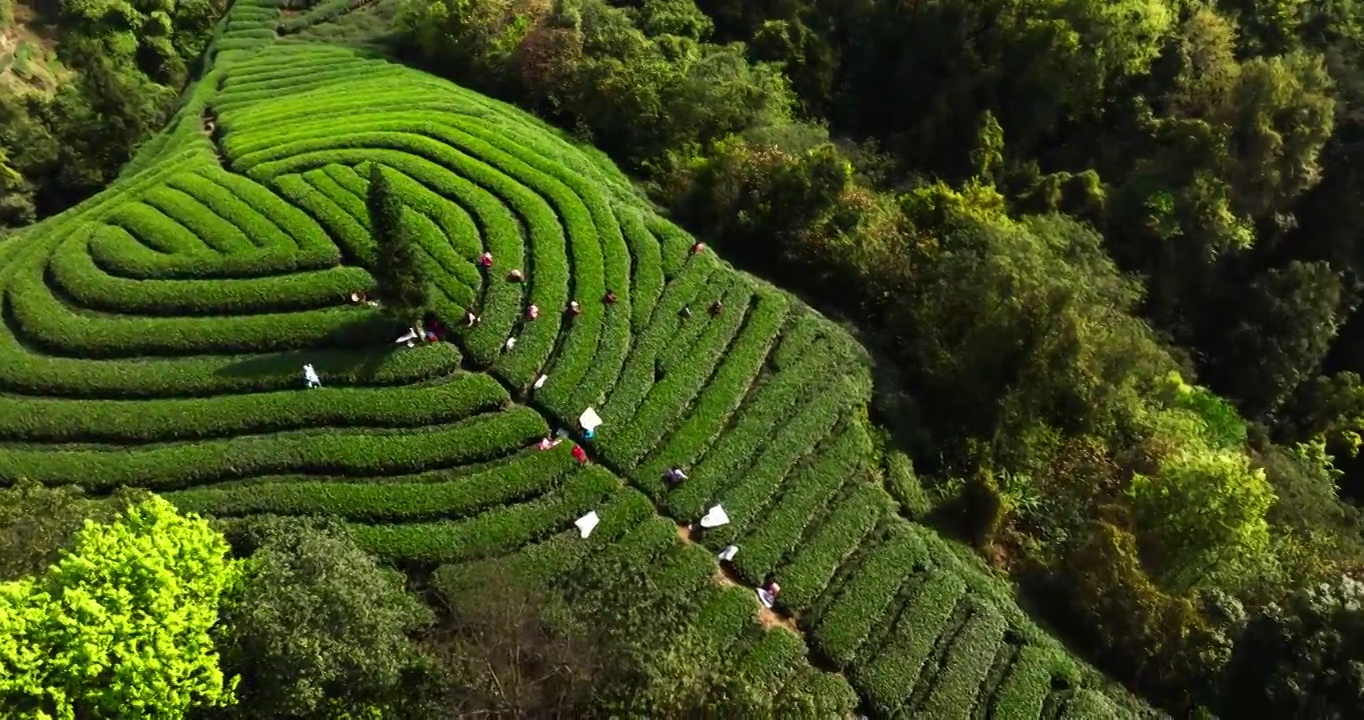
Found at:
<point>155,335</point>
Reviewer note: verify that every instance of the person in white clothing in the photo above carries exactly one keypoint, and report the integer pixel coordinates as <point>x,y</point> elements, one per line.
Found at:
<point>768,593</point>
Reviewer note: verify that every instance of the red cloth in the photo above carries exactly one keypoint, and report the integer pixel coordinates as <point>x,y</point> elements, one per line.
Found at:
<point>579,454</point>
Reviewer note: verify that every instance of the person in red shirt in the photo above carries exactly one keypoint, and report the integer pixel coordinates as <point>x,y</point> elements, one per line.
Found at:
<point>579,454</point>
<point>486,260</point>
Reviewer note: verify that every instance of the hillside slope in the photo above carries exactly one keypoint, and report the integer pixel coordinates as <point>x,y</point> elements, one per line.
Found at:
<point>155,335</point>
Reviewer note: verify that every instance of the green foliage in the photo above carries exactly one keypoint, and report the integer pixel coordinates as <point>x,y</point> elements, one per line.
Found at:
<point>1216,422</point>
<point>988,155</point>
<point>399,281</point>
<point>648,667</point>
<point>615,638</point>
<point>1162,639</point>
<point>905,486</point>
<point>1202,514</point>
<point>37,524</point>
<point>319,628</point>
<point>1301,657</point>
<point>120,626</point>
<point>640,91</point>
<point>1302,303</point>
<point>158,38</point>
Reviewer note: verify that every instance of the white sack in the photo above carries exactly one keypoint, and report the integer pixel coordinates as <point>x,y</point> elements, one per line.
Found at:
<point>715,517</point>
<point>587,523</point>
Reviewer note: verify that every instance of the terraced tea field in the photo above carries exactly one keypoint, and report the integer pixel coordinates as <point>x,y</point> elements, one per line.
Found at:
<point>155,336</point>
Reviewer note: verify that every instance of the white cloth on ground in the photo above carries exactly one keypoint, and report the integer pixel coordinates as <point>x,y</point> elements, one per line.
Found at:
<point>729,552</point>
<point>587,523</point>
<point>715,517</point>
<point>540,381</point>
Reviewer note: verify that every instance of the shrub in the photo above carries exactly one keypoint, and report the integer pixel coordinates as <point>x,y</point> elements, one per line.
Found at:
<point>904,486</point>
<point>498,531</point>
<point>150,579</point>
<point>888,675</point>
<point>967,663</point>
<point>866,596</point>
<point>399,280</point>
<point>1162,640</point>
<point>842,530</point>
<point>810,491</point>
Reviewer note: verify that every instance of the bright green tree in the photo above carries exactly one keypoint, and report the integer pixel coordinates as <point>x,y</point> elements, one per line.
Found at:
<point>120,627</point>
<point>401,284</point>
<point>1203,511</point>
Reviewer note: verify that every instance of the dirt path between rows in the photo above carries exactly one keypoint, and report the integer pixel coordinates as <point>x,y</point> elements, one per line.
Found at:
<point>725,577</point>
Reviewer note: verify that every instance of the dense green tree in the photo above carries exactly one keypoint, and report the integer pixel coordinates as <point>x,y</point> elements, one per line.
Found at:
<point>120,627</point>
<point>1287,320</point>
<point>129,61</point>
<point>1302,658</point>
<point>1201,514</point>
<point>607,641</point>
<point>680,18</point>
<point>1164,640</point>
<point>508,648</point>
<point>319,629</point>
<point>637,92</point>
<point>38,523</point>
<point>159,38</point>
<point>66,147</point>
<point>400,279</point>
<point>654,663</point>
<point>1329,409</point>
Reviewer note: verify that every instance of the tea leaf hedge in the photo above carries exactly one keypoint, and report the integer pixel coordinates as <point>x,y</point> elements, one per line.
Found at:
<point>155,337</point>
